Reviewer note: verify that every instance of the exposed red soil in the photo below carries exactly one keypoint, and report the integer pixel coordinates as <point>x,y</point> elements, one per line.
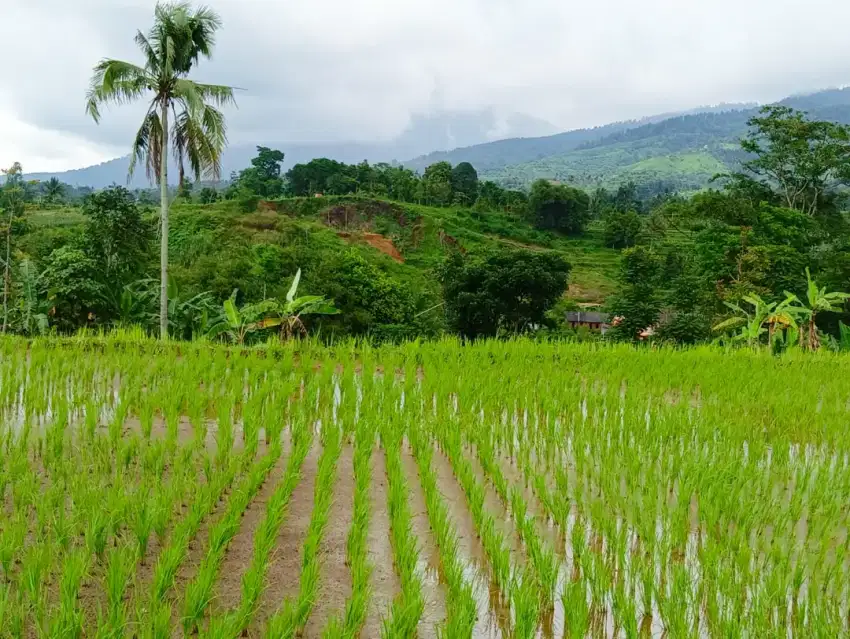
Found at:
<point>375,240</point>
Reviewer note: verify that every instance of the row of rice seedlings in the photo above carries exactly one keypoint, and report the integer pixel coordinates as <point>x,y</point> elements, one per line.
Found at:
<point>461,613</point>
<point>292,616</point>
<point>542,557</point>
<point>357,551</point>
<point>154,615</point>
<point>71,506</point>
<point>198,592</point>
<point>408,606</point>
<point>493,541</point>
<point>235,623</point>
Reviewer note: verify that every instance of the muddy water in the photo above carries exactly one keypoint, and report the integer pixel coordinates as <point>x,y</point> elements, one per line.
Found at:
<point>493,616</point>
<point>196,552</point>
<point>385,583</point>
<point>284,572</point>
<point>433,591</point>
<point>335,583</point>
<point>550,534</point>
<point>499,511</point>
<point>240,551</point>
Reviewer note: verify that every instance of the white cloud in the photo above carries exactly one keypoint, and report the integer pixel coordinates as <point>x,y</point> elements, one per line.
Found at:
<point>336,69</point>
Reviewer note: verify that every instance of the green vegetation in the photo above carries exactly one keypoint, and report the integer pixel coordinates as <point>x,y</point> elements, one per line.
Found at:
<point>178,38</point>
<point>604,484</point>
<point>679,153</point>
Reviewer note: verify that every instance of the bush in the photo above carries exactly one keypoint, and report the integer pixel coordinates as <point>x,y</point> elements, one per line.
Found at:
<point>622,229</point>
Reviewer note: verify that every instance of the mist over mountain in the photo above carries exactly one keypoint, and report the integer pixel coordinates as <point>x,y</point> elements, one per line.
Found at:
<point>682,150</point>
<point>425,133</point>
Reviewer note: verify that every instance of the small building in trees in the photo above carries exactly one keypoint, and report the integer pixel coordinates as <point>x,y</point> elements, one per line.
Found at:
<point>593,320</point>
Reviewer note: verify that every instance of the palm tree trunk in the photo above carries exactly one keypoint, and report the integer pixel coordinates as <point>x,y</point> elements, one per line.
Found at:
<point>163,220</point>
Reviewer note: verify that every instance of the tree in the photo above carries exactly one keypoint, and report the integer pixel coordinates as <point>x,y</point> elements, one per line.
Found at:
<point>764,318</point>
<point>12,203</point>
<point>184,191</point>
<point>207,195</point>
<point>818,301</point>
<point>437,181</point>
<point>54,190</point>
<point>801,160</point>
<point>74,287</point>
<point>287,314</point>
<point>501,290</point>
<point>558,208</point>
<point>308,179</point>
<point>178,39</point>
<point>465,184</point>
<point>263,178</point>
<point>636,305</point>
<point>116,237</point>
<point>622,229</point>
<point>366,295</point>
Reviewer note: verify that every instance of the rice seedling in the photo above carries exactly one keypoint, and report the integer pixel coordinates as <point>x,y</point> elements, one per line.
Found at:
<point>292,616</point>
<point>351,623</point>
<point>198,592</point>
<point>696,492</point>
<point>407,608</point>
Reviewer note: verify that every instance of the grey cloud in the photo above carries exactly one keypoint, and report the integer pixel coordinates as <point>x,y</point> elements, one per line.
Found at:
<point>334,69</point>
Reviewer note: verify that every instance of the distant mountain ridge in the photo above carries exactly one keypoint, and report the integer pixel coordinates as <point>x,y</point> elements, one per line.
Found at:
<point>425,133</point>
<point>681,150</point>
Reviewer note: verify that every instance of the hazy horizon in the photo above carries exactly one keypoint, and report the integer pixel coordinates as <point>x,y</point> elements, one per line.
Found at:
<point>336,71</point>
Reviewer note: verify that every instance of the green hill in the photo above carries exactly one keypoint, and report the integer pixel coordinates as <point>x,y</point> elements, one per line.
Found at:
<point>681,152</point>
<point>219,247</point>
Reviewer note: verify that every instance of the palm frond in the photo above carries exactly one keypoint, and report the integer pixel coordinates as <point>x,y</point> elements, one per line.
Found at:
<point>152,56</point>
<point>147,146</point>
<point>217,94</point>
<point>193,144</point>
<point>117,82</point>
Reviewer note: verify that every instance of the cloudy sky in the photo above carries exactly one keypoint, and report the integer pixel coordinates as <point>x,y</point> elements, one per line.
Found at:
<point>322,70</point>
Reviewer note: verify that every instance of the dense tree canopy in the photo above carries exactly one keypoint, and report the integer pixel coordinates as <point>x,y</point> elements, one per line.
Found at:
<point>501,290</point>
<point>559,208</point>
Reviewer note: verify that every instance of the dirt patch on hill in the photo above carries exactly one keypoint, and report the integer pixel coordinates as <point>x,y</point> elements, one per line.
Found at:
<point>375,240</point>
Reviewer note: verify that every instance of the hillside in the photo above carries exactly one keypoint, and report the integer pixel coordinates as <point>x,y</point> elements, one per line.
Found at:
<point>681,153</point>
<point>213,246</point>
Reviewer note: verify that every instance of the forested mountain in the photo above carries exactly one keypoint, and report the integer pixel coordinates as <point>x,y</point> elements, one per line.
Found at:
<point>680,153</point>
<point>425,133</point>
<point>670,151</point>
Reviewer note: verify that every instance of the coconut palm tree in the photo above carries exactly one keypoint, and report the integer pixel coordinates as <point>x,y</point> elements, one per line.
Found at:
<point>180,36</point>
<point>54,190</point>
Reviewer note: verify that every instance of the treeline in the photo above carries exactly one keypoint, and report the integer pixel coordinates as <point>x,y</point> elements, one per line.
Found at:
<point>739,262</point>
<point>751,261</point>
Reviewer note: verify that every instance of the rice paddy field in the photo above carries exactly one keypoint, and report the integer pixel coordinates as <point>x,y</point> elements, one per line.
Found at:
<point>502,489</point>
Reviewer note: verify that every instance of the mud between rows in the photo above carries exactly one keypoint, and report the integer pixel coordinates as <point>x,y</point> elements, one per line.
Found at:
<point>335,584</point>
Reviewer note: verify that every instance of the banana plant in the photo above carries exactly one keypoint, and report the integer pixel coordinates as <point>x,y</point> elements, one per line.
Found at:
<point>238,323</point>
<point>765,317</point>
<point>287,315</point>
<point>818,300</point>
